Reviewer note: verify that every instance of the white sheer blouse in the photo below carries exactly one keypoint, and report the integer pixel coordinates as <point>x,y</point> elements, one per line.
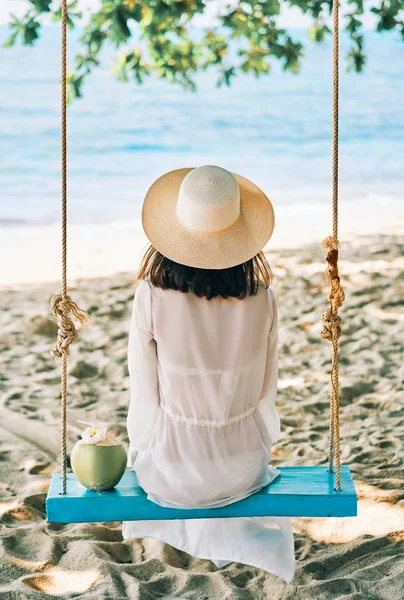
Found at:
<point>202,417</point>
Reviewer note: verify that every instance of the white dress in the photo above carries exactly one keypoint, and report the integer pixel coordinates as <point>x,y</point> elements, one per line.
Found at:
<point>202,419</point>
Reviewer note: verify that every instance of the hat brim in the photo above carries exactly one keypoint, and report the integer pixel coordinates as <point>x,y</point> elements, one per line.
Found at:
<point>217,250</point>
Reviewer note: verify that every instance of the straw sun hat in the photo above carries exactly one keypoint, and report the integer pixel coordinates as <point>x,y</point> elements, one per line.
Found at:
<point>207,217</point>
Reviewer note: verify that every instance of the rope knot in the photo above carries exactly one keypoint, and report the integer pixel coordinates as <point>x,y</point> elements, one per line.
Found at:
<point>62,307</point>
<point>330,242</point>
<point>330,318</point>
<point>331,325</point>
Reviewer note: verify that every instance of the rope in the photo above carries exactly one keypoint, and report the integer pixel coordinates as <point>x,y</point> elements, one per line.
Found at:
<point>331,320</point>
<point>62,305</point>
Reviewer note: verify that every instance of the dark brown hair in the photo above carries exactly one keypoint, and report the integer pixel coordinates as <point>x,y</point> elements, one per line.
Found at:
<point>235,282</point>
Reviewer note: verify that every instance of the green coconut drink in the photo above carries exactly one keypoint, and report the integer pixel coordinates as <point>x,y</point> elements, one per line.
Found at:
<point>98,460</point>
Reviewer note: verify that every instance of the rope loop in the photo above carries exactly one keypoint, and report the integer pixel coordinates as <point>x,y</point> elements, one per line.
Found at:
<point>62,307</point>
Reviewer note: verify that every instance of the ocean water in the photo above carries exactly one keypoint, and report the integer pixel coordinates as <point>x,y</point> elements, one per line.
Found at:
<point>275,130</point>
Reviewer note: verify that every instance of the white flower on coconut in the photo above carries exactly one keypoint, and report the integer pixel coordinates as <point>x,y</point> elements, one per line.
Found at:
<point>92,435</point>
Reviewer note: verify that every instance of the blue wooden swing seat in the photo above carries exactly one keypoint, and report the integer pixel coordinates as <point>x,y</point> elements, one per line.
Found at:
<point>296,492</point>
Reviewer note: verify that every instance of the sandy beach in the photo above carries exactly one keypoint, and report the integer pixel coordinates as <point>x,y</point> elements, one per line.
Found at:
<point>349,558</point>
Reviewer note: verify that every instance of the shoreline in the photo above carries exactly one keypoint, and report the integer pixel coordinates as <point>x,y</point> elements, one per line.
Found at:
<point>33,253</point>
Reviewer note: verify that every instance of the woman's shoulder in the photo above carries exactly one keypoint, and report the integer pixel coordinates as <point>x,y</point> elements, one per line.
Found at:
<point>143,293</point>
<point>142,288</point>
<point>268,297</point>
<point>266,291</point>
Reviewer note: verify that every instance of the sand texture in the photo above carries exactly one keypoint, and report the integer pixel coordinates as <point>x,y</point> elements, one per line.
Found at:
<point>336,558</point>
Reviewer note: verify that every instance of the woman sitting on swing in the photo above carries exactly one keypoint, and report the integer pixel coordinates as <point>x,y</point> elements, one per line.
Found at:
<point>203,367</point>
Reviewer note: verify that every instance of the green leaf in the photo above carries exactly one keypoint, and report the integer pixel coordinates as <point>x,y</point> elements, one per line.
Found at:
<point>41,5</point>
<point>318,32</point>
<point>30,33</point>
<point>119,31</point>
<point>11,40</point>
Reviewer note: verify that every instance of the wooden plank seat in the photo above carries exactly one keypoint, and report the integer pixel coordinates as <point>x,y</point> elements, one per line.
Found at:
<point>296,492</point>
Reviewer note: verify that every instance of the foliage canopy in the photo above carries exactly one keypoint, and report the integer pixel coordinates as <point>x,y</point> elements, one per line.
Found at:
<point>159,36</point>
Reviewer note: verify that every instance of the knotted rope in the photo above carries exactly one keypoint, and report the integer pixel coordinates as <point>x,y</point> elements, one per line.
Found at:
<point>331,320</point>
<point>62,305</point>
<point>67,332</point>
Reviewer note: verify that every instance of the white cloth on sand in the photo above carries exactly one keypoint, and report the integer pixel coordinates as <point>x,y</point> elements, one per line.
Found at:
<point>202,419</point>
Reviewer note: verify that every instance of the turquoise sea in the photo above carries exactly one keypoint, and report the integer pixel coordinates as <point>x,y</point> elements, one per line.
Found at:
<point>275,130</point>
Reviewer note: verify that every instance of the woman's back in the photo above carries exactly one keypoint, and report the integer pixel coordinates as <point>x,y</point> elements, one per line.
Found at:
<point>211,353</point>
<point>215,418</point>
